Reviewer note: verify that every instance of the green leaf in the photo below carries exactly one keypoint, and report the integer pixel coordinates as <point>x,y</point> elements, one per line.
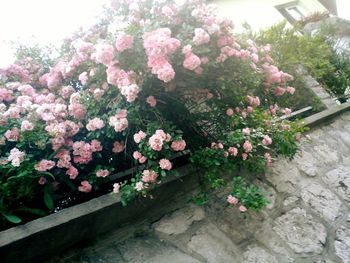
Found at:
<point>12,218</point>
<point>48,200</point>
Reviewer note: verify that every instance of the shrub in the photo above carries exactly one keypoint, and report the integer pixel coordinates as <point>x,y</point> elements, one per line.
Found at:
<point>149,81</point>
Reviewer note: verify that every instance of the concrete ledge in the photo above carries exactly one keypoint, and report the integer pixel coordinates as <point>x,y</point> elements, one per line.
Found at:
<point>43,237</point>
<point>323,116</point>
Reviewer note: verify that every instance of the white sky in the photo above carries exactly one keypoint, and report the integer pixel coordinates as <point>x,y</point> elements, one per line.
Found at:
<point>50,21</point>
<point>42,21</point>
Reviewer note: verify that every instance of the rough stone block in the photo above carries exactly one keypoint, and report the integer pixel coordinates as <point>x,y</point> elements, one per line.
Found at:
<point>301,231</point>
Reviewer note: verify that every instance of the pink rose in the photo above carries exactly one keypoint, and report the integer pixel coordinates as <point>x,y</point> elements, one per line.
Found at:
<point>232,200</point>
<point>44,165</point>
<point>149,176</point>
<point>200,37</point>
<point>165,164</point>
<point>138,137</point>
<point>27,126</point>
<point>178,145</point>
<point>118,147</point>
<point>246,131</point>
<point>95,124</point>
<point>266,140</point>
<point>85,187</point>
<point>244,156</point>
<point>247,146</point>
<point>116,188</point>
<point>12,135</point>
<point>233,151</point>
<point>102,173</point>
<point>139,186</point>
<point>143,159</point>
<point>151,100</point>
<point>137,155</point>
<point>290,90</point>
<point>156,142</point>
<point>287,111</point>
<point>72,172</point>
<point>96,146</point>
<point>191,62</point>
<point>124,42</point>
<point>279,91</point>
<point>229,112</point>
<point>42,180</point>
<point>242,209</point>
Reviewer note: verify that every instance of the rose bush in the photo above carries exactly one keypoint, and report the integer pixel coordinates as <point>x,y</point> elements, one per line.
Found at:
<point>152,79</point>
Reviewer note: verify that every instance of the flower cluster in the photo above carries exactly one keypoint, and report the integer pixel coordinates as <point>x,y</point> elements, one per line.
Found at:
<point>148,83</point>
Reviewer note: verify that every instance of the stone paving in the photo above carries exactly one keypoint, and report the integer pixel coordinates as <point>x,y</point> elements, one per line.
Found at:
<point>307,221</point>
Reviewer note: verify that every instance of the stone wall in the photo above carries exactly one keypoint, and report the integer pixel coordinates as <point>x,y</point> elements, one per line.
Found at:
<point>307,221</point>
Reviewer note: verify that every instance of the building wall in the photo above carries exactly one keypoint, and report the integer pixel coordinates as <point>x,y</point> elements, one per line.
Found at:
<point>262,13</point>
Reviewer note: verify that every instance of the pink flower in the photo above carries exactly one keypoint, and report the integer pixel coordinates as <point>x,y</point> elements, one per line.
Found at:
<point>268,159</point>
<point>130,92</point>
<point>156,142</point>
<point>165,164</point>
<point>143,159</point>
<point>27,126</point>
<point>85,187</point>
<point>139,186</point>
<point>233,151</point>
<point>137,155</point>
<point>96,146</point>
<point>167,11</point>
<point>42,180</point>
<point>12,135</point>
<point>95,124</point>
<point>253,101</point>
<point>44,165</point>
<point>104,54</point>
<point>266,140</point>
<point>279,91</point>
<point>244,156</point>
<point>246,131</point>
<point>232,200</point>
<point>229,112</point>
<point>247,146</point>
<point>16,157</point>
<point>83,78</point>
<point>118,147</point>
<point>287,111</point>
<point>72,172</point>
<point>178,145</point>
<point>102,173</point>
<point>205,60</point>
<point>151,100</point>
<point>290,90</point>
<point>242,209</point>
<point>191,62</point>
<point>250,109</point>
<point>116,188</point>
<point>187,50</point>
<point>119,124</point>
<point>5,95</point>
<point>149,176</point>
<point>138,137</point>
<point>77,110</point>
<point>217,146</point>
<point>124,42</point>
<point>200,37</point>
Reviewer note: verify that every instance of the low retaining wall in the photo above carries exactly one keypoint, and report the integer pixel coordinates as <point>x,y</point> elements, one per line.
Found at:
<point>43,237</point>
